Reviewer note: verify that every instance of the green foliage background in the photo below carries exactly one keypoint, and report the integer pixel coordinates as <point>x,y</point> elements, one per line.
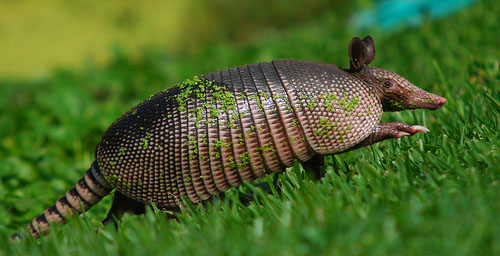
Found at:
<point>435,193</point>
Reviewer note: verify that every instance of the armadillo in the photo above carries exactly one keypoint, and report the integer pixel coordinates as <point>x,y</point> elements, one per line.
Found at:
<point>215,131</point>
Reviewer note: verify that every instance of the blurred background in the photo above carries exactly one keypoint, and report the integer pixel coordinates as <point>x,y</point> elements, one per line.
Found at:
<point>36,36</point>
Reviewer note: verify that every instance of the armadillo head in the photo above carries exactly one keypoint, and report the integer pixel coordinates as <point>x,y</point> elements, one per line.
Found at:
<point>395,92</point>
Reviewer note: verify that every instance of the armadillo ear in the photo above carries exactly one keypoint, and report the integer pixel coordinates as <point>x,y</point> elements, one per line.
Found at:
<point>357,54</point>
<point>370,49</point>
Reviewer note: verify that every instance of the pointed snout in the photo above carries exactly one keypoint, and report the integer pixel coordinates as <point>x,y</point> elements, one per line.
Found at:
<point>436,102</point>
<point>432,102</point>
<point>439,101</point>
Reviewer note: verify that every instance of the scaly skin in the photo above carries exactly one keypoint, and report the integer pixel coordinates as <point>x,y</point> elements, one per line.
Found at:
<point>213,132</point>
<point>228,129</point>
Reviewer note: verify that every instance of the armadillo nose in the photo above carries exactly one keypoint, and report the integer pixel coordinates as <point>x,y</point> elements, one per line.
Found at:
<point>439,101</point>
<point>432,101</point>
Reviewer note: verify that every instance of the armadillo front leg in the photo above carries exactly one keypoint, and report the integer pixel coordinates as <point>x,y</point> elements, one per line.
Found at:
<point>382,132</point>
<point>390,130</point>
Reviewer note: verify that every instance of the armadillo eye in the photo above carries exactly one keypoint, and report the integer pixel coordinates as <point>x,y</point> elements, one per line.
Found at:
<point>387,84</point>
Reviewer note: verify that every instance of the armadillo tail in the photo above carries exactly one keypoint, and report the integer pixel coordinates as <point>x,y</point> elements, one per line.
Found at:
<point>88,191</point>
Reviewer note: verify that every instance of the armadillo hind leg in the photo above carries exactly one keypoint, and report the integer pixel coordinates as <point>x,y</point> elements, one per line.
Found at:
<point>121,205</point>
<point>315,165</point>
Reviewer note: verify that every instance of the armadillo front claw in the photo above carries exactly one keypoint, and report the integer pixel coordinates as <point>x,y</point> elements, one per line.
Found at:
<point>419,128</point>
<point>401,134</point>
<point>398,129</point>
<point>402,129</point>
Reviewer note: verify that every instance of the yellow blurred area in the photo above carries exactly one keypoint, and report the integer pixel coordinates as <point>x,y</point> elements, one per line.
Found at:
<point>38,35</point>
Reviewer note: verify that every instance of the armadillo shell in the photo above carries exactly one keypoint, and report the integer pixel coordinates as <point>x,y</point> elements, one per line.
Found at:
<point>212,132</point>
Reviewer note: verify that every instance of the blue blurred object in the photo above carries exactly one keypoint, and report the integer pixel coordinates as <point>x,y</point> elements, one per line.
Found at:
<point>390,14</point>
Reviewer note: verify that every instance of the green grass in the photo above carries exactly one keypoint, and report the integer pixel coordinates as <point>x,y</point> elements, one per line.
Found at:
<point>435,193</point>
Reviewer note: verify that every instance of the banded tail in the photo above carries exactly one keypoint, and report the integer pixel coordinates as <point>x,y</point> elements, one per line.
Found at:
<point>87,192</point>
